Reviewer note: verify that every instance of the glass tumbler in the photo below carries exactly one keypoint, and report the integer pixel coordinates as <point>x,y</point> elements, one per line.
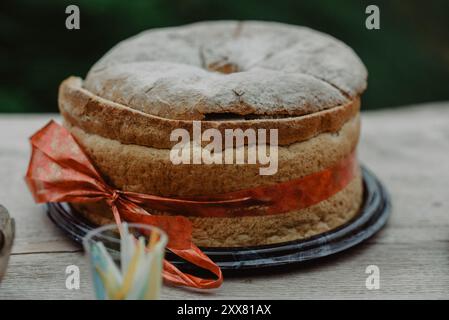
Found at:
<point>124,266</point>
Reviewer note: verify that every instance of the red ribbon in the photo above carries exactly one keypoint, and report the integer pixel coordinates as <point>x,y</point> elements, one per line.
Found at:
<point>60,171</point>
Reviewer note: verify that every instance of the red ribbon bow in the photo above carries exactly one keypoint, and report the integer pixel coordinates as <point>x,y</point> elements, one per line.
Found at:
<point>60,171</point>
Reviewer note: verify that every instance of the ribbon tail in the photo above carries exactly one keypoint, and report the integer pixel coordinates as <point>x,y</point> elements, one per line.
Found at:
<point>195,256</point>
<point>184,249</point>
<point>116,214</point>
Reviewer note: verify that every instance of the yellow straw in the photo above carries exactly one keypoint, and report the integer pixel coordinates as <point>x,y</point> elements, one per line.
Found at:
<point>152,241</point>
<point>127,282</point>
<point>107,280</point>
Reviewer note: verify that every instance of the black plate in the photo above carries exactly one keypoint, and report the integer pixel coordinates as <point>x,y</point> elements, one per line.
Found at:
<point>373,216</point>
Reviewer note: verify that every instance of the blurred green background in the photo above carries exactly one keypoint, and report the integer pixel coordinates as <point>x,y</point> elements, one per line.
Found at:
<point>407,59</point>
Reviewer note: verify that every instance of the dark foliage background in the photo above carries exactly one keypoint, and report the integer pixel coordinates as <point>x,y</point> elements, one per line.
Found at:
<point>408,58</point>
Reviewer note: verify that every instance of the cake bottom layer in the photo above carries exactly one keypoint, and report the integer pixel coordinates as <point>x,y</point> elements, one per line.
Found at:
<point>260,230</point>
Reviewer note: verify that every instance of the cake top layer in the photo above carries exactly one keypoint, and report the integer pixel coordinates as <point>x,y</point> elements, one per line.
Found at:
<point>229,69</point>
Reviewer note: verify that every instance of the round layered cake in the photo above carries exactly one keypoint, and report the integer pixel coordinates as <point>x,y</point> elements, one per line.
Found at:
<point>227,75</point>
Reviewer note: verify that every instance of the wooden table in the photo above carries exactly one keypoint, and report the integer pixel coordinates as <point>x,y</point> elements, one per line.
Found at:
<point>407,148</point>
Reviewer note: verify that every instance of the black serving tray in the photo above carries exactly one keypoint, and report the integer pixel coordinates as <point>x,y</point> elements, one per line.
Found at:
<point>372,217</point>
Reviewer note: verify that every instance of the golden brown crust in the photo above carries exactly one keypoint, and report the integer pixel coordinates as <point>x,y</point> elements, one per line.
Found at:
<point>254,68</point>
<point>248,231</point>
<point>111,120</point>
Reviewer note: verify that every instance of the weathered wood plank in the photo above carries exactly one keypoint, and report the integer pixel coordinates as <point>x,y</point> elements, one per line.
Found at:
<point>419,271</point>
